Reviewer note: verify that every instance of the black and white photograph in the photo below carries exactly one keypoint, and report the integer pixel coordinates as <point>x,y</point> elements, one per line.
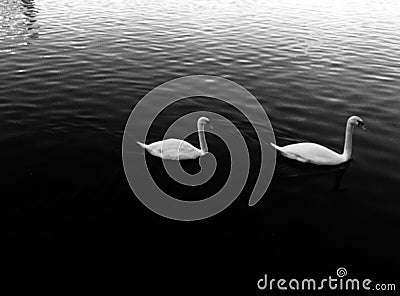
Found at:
<point>207,147</point>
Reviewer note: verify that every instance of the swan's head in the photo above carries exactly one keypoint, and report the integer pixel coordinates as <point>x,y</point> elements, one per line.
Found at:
<point>203,121</point>
<point>357,121</point>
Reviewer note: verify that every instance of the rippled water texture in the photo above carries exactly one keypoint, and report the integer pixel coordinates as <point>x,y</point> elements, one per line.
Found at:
<point>71,72</point>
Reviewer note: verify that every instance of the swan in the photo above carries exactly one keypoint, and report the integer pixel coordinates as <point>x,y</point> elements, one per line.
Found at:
<point>176,149</point>
<point>320,155</point>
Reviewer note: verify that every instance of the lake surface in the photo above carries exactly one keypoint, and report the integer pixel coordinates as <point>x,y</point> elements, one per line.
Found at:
<point>72,71</point>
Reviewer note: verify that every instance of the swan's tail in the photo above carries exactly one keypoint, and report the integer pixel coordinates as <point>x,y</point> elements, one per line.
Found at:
<point>142,145</point>
<point>276,147</point>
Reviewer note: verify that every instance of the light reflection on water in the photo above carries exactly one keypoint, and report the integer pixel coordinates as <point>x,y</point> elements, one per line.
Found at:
<point>18,24</point>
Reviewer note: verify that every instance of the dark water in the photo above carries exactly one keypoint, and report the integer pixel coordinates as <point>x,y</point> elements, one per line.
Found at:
<point>71,72</point>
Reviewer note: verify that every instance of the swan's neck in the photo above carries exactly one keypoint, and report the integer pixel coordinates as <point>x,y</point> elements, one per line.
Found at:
<point>348,141</point>
<point>202,138</point>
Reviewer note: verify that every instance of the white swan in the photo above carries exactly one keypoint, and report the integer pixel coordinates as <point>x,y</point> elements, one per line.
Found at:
<point>317,154</point>
<point>176,149</point>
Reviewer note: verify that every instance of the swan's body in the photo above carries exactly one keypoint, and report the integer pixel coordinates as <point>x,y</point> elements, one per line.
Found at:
<point>176,149</point>
<point>311,152</point>
<point>320,155</point>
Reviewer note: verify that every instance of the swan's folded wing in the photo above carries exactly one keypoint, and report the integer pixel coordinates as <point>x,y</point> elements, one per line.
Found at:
<point>311,152</point>
<point>175,145</point>
<point>178,149</point>
<point>186,147</point>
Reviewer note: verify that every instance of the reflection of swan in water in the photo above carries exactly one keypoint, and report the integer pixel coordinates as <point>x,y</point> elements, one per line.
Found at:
<point>318,154</point>
<point>339,177</point>
<point>176,149</point>
<point>294,171</point>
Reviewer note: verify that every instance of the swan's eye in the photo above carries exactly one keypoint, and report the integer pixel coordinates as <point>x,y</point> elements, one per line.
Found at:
<point>360,123</point>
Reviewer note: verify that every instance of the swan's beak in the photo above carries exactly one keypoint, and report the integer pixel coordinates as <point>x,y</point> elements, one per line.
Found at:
<point>361,124</point>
